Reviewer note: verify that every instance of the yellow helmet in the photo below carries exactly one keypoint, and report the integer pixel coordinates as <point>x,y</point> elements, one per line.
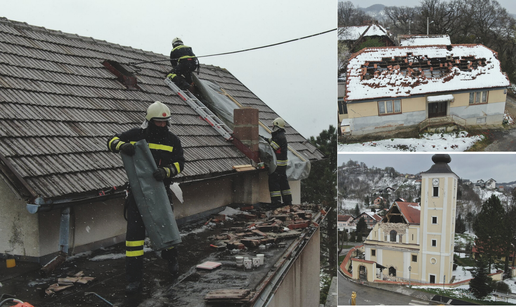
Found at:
<point>157,111</point>
<point>278,122</point>
<point>176,42</point>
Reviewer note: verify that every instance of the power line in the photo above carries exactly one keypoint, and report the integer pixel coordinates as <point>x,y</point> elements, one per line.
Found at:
<point>245,50</point>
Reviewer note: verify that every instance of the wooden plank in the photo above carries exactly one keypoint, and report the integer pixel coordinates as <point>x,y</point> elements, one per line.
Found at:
<point>235,294</point>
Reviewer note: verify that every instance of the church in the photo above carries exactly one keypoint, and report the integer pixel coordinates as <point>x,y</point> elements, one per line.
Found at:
<point>414,241</point>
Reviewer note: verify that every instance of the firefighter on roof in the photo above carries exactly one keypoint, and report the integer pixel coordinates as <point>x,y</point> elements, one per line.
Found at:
<point>278,182</point>
<point>183,62</point>
<point>168,154</point>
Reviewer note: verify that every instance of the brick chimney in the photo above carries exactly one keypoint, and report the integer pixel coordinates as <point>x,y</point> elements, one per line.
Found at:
<point>245,132</point>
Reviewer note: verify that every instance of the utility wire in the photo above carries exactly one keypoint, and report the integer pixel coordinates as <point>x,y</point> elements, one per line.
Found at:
<point>244,50</point>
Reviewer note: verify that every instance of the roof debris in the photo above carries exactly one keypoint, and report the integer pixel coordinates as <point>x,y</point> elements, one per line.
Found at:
<point>67,282</point>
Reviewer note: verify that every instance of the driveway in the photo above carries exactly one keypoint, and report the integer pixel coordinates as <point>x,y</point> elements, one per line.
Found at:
<point>504,140</point>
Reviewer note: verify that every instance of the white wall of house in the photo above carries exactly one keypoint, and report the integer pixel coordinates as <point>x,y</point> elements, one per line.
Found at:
<point>301,284</point>
<point>101,224</point>
<point>18,228</point>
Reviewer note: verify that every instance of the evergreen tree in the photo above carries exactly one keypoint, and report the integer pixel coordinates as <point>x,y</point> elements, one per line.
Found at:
<point>489,229</point>
<point>320,188</point>
<point>359,237</point>
<point>480,285</point>
<point>357,211</point>
<point>361,226</point>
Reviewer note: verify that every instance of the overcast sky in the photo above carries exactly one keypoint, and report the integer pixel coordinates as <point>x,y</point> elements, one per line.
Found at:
<point>499,166</point>
<point>297,80</point>
<point>510,5</point>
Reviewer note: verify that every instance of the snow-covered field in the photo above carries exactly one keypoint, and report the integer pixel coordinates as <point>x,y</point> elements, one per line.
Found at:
<point>457,142</point>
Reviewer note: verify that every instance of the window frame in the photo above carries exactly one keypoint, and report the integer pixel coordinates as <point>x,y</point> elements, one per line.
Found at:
<point>389,103</point>
<point>478,97</point>
<point>373,252</point>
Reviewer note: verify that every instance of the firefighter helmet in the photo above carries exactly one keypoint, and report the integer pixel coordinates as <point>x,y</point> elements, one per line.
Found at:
<point>278,122</point>
<point>158,111</point>
<point>176,42</point>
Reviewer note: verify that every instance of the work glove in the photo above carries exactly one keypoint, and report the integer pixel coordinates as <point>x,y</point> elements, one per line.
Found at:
<point>164,172</point>
<point>127,149</point>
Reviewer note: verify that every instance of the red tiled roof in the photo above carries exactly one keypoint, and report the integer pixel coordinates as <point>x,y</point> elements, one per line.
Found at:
<point>410,211</point>
<point>343,217</point>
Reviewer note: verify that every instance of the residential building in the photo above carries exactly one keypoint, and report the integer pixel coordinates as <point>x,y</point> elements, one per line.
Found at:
<point>414,241</point>
<point>353,36</point>
<point>390,89</point>
<point>370,218</point>
<point>491,184</point>
<point>344,222</point>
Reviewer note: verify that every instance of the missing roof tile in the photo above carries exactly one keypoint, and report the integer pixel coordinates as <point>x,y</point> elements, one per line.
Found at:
<point>126,77</point>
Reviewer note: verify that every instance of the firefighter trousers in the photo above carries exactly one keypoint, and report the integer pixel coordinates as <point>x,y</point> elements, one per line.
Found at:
<point>134,242</point>
<point>181,74</point>
<point>279,187</point>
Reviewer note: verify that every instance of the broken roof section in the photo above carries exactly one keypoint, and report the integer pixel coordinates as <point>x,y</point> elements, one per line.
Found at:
<point>424,40</point>
<point>59,104</point>
<point>385,72</point>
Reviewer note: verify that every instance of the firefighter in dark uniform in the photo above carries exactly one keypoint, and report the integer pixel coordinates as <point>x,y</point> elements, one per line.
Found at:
<point>278,182</point>
<point>183,62</point>
<point>168,154</point>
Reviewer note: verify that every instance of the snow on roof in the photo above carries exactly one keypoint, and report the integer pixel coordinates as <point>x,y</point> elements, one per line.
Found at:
<point>354,32</point>
<point>439,98</point>
<point>424,40</point>
<point>373,215</point>
<point>384,72</point>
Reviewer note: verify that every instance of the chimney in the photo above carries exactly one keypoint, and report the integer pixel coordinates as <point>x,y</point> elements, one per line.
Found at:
<point>245,132</point>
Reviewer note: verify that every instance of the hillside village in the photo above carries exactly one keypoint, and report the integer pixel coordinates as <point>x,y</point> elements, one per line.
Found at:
<point>373,190</point>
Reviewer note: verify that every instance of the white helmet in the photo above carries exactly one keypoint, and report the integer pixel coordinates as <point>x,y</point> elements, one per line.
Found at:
<point>158,111</point>
<point>278,122</point>
<point>176,42</point>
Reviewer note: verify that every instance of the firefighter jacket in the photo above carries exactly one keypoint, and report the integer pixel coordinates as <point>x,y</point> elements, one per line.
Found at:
<point>180,53</point>
<point>165,148</point>
<point>278,142</point>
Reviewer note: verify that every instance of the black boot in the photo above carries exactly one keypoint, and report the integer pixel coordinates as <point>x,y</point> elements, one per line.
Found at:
<point>132,287</point>
<point>170,255</point>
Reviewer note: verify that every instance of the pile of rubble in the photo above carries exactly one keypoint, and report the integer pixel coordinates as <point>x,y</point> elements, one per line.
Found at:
<point>258,228</point>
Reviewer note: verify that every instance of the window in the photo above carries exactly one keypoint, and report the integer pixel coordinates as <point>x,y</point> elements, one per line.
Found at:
<point>478,97</point>
<point>389,107</point>
<point>373,253</point>
<point>343,107</point>
<point>436,192</point>
<point>414,258</point>
<point>434,219</point>
<point>434,242</point>
<point>393,234</point>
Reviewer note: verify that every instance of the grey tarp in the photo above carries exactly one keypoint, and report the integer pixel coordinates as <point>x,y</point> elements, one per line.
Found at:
<point>297,168</point>
<point>151,198</point>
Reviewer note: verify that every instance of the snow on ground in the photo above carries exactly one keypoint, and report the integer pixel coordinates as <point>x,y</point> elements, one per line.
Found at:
<point>350,204</point>
<point>464,273</point>
<point>428,142</point>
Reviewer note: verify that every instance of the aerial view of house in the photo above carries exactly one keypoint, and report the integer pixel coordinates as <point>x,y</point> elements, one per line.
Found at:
<point>390,89</point>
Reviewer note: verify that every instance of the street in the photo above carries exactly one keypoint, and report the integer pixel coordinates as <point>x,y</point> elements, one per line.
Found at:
<point>373,296</point>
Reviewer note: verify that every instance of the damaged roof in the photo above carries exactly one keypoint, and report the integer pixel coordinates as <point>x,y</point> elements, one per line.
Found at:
<point>410,211</point>
<point>387,72</point>
<point>59,103</point>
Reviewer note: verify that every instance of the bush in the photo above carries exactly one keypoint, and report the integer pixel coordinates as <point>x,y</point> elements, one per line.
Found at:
<point>500,286</point>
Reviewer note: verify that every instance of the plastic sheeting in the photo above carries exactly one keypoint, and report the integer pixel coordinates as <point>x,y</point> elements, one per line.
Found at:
<point>298,168</point>
<point>151,198</point>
